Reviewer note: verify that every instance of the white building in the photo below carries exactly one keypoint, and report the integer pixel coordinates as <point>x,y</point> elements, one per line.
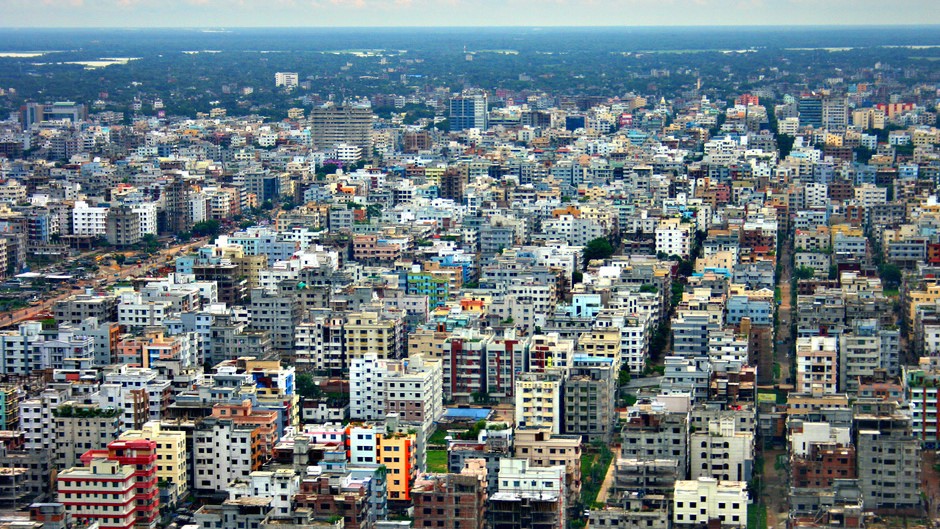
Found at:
<point>88,220</point>
<point>674,237</point>
<point>148,217</point>
<point>697,501</point>
<point>286,79</point>
<point>722,452</point>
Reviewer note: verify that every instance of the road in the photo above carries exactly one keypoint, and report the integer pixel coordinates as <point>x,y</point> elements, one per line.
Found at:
<point>784,334</point>
<point>108,274</point>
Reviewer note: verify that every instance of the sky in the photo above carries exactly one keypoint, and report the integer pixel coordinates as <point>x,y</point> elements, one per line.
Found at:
<point>357,13</point>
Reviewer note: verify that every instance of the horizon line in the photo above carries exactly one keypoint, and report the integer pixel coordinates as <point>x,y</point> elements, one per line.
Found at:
<point>501,26</point>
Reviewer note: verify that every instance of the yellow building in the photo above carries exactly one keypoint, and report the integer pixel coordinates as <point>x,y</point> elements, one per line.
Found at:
<point>397,453</point>
<point>429,344</point>
<point>172,463</point>
<point>916,298</point>
<point>538,400</point>
<point>602,342</point>
<point>367,332</point>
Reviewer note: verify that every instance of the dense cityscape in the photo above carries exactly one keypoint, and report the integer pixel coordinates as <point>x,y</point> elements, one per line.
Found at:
<point>470,279</point>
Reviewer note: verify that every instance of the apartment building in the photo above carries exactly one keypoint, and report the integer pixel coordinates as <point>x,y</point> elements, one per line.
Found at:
<point>816,364</point>
<point>708,500</point>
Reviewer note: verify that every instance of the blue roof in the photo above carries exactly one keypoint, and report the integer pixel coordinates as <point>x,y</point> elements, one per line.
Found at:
<point>475,414</point>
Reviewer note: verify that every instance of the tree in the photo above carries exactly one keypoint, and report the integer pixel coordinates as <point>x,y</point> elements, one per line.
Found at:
<point>119,258</point>
<point>803,272</point>
<point>306,387</point>
<point>577,276</point>
<point>890,274</point>
<point>206,228</point>
<point>599,248</point>
<point>149,243</point>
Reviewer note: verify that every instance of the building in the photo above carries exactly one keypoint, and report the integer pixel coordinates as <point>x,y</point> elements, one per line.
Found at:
<point>589,395</point>
<point>122,227</point>
<point>451,501</point>
<point>542,449</point>
<point>538,400</point>
<point>332,125</point>
<point>102,492</point>
<point>79,428</point>
<point>469,110</point>
<point>371,332</point>
<point>889,458</point>
<point>116,487</point>
<point>59,111</point>
<point>707,500</point>
<point>816,364</point>
<point>721,452</point>
<point>172,458</point>
<point>286,79</point>
<point>89,220</point>
<point>528,497</point>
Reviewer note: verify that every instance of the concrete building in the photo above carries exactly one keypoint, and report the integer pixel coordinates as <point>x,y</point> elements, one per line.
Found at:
<point>451,501</point>
<point>589,394</point>
<point>816,364</point>
<point>721,452</point>
<point>331,125</point>
<point>172,458</point>
<point>538,400</point>
<point>707,500</point>
<point>80,428</point>
<point>889,458</point>
<point>528,497</point>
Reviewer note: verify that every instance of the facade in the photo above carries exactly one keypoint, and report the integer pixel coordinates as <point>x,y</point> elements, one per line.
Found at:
<point>722,452</point>
<point>469,111</point>
<point>816,364</point>
<point>172,457</point>
<point>707,499</point>
<point>332,125</point>
<point>589,394</point>
<point>451,501</point>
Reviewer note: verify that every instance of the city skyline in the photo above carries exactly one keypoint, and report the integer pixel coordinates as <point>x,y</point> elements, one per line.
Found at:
<point>459,13</point>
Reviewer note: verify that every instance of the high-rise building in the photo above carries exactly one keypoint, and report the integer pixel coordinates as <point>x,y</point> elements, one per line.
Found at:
<point>835,112</point>
<point>286,79</point>
<point>332,125</point>
<point>811,110</point>
<point>468,111</point>
<point>116,487</point>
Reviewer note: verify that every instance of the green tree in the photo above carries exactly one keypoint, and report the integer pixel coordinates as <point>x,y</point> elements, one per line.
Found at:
<point>119,258</point>
<point>306,387</point>
<point>803,272</point>
<point>599,248</point>
<point>206,228</point>
<point>890,274</point>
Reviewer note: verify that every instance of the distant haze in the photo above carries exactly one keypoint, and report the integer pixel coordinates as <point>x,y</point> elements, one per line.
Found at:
<point>294,13</point>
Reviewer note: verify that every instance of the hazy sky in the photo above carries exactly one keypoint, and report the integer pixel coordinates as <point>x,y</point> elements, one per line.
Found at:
<point>236,13</point>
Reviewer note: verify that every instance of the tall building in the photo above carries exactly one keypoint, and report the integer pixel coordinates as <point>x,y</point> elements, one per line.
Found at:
<point>172,460</point>
<point>451,501</point>
<point>816,364</point>
<point>332,125</point>
<point>811,110</point>
<point>122,226</point>
<point>116,487</point>
<point>835,112</point>
<point>286,79</point>
<point>701,501</point>
<point>468,111</point>
<point>889,457</point>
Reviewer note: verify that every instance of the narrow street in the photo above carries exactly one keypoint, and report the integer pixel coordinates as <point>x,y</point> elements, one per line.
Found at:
<point>774,490</point>
<point>783,335</point>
